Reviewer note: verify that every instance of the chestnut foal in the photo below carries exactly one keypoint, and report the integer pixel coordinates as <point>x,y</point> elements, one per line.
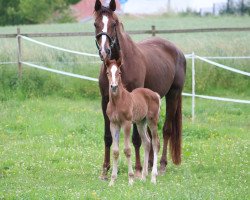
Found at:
<point>141,107</point>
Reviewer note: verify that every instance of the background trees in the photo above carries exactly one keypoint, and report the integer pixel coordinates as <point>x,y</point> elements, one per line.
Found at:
<point>14,12</point>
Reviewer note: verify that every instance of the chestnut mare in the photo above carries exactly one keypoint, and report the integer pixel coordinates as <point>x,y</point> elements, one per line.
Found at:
<point>154,63</point>
<point>142,107</point>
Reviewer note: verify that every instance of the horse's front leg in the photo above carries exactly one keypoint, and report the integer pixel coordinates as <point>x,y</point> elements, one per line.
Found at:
<point>136,139</point>
<point>107,140</point>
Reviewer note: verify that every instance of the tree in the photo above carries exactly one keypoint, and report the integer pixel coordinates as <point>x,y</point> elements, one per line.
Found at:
<point>9,12</point>
<point>14,12</point>
<point>237,7</point>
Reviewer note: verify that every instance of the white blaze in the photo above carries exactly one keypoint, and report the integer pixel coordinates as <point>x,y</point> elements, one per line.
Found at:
<point>113,72</point>
<point>105,20</point>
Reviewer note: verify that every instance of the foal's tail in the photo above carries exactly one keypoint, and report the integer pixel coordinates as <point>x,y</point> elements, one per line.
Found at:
<point>176,136</point>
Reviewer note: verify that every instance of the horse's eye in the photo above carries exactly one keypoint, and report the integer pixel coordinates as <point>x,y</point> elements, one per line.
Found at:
<point>113,25</point>
<point>95,24</point>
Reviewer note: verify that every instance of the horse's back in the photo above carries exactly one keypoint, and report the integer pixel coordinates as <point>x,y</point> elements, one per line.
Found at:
<point>160,44</point>
<point>164,64</point>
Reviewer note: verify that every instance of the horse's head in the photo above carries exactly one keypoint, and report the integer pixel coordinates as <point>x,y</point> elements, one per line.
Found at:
<point>114,74</point>
<point>105,24</point>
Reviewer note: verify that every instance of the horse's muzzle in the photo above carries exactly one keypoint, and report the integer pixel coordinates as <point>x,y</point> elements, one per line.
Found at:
<point>105,53</point>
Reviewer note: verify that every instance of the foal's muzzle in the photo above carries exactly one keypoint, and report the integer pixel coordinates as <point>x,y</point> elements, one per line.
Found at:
<point>114,88</point>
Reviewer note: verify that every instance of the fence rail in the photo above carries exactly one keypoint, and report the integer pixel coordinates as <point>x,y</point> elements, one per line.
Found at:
<point>153,31</point>
<point>192,56</point>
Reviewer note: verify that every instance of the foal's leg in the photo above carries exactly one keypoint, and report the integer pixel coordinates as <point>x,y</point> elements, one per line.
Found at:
<point>107,139</point>
<point>115,131</point>
<point>156,148</point>
<point>142,128</point>
<point>127,150</point>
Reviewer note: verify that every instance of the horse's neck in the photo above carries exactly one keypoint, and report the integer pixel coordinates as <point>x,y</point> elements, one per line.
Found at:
<point>126,44</point>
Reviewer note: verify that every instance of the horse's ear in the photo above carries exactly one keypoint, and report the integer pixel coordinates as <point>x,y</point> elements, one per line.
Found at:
<point>98,5</point>
<point>112,5</point>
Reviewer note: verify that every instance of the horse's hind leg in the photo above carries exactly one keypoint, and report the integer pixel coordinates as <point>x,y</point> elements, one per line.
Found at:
<point>136,139</point>
<point>127,150</point>
<point>142,129</point>
<point>171,107</point>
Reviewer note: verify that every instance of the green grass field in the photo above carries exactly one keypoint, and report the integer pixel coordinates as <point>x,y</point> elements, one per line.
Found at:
<point>51,126</point>
<point>52,148</point>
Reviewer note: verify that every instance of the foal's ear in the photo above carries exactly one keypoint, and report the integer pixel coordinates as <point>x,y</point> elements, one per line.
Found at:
<point>107,62</point>
<point>119,62</point>
<point>112,5</point>
<point>98,5</point>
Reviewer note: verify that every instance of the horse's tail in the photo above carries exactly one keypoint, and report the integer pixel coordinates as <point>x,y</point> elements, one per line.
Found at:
<point>176,135</point>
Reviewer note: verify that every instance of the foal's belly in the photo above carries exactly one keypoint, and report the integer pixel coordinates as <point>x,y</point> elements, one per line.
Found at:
<point>140,109</point>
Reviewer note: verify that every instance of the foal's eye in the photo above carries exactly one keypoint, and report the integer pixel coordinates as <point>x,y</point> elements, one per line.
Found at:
<point>95,24</point>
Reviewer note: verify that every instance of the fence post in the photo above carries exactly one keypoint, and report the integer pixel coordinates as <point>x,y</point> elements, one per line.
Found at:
<point>19,53</point>
<point>153,30</point>
<point>193,87</point>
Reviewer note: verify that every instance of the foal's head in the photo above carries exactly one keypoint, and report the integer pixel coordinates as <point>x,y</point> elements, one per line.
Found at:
<point>114,75</point>
<point>105,24</point>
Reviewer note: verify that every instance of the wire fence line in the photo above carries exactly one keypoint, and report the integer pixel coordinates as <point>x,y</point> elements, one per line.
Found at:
<point>153,31</point>
<point>188,56</point>
<point>223,66</point>
<point>60,72</point>
<point>58,48</point>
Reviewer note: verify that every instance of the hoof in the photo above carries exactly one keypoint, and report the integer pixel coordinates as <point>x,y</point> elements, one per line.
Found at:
<point>144,172</point>
<point>130,181</point>
<point>111,183</point>
<point>162,169</point>
<point>103,177</point>
<point>138,174</point>
<point>153,180</point>
<point>143,178</point>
